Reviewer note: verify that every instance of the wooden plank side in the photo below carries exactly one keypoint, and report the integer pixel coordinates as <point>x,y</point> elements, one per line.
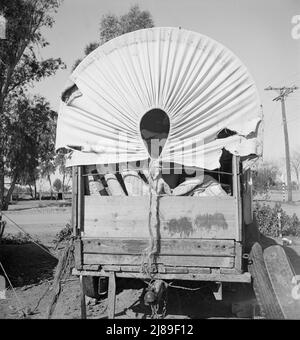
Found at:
<point>179,217</point>
<point>213,277</point>
<point>200,261</point>
<point>165,246</point>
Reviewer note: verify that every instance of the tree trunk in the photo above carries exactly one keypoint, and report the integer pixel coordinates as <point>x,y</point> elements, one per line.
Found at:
<point>35,189</point>
<point>40,189</point>
<point>9,193</point>
<point>1,184</point>
<point>51,192</point>
<point>63,186</point>
<point>30,190</point>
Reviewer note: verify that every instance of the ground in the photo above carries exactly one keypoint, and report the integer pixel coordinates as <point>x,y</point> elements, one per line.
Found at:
<point>30,269</point>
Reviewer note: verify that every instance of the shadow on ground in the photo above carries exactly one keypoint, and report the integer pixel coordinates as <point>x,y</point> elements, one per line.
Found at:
<point>27,263</point>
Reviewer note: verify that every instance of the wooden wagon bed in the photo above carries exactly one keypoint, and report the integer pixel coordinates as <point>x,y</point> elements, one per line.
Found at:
<point>198,238</point>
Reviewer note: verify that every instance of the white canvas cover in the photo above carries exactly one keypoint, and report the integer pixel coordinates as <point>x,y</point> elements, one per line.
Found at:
<point>201,85</point>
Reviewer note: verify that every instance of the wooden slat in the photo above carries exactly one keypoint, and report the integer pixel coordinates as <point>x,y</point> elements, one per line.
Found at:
<point>160,269</point>
<point>213,277</point>
<point>78,253</point>
<point>111,299</point>
<point>201,261</point>
<point>82,299</point>
<point>238,256</point>
<point>236,183</point>
<point>166,246</point>
<point>179,217</point>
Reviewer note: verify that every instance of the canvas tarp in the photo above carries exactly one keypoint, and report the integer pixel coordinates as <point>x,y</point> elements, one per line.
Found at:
<point>201,85</point>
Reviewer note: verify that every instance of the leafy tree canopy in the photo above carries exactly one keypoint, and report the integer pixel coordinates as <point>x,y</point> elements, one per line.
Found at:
<point>25,123</point>
<point>111,26</point>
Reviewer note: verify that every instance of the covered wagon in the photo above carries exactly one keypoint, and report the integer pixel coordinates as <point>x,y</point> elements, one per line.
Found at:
<point>162,126</point>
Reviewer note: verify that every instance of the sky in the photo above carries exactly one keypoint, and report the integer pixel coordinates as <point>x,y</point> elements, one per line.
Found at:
<point>259,32</point>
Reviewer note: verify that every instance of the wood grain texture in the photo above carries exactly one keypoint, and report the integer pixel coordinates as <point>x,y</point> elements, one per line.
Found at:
<point>111,298</point>
<point>179,217</point>
<point>165,246</point>
<point>200,261</point>
<point>213,277</point>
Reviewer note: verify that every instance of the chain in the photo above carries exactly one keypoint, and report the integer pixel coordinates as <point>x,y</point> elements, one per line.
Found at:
<point>165,303</point>
<point>154,311</point>
<point>155,307</point>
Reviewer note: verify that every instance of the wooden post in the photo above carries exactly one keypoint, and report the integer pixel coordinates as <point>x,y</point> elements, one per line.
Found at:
<point>111,300</point>
<point>218,291</point>
<point>82,297</point>
<point>80,207</point>
<point>3,25</point>
<point>74,200</point>
<point>236,187</point>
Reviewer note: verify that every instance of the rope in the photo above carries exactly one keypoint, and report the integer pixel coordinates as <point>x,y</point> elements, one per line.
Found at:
<point>148,255</point>
<point>177,287</point>
<point>186,288</point>
<point>20,305</point>
<point>148,252</point>
<point>26,233</point>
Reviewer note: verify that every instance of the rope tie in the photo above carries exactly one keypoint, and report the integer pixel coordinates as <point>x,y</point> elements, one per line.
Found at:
<point>148,256</point>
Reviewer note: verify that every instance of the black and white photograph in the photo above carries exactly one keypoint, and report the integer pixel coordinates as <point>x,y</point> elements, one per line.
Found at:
<point>150,162</point>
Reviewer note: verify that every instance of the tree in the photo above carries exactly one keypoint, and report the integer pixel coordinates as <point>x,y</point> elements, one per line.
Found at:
<point>111,26</point>
<point>60,163</point>
<point>265,177</point>
<point>47,168</point>
<point>57,185</point>
<point>30,127</point>
<point>295,162</point>
<point>20,67</point>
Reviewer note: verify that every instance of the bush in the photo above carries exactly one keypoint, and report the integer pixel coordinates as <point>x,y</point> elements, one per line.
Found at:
<point>57,185</point>
<point>267,221</point>
<point>264,178</point>
<point>64,235</point>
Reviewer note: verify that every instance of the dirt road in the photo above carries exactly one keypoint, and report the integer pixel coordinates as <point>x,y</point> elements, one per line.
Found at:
<point>42,223</point>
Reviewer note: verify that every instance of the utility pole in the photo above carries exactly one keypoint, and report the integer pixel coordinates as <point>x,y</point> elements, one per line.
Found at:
<point>283,93</point>
<point>3,24</point>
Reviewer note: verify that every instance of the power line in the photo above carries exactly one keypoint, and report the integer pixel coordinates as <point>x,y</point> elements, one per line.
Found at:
<point>283,93</point>
<point>293,75</point>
